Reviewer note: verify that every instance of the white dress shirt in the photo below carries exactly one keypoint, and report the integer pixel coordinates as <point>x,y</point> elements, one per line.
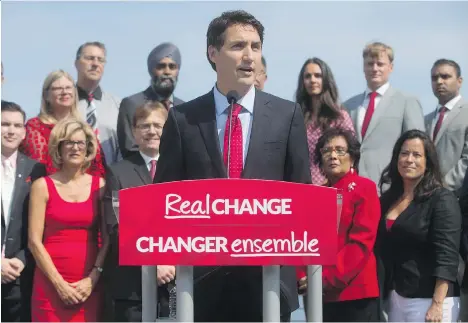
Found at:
<point>449,105</point>
<point>246,115</point>
<point>148,159</point>
<point>8,184</point>
<point>363,108</point>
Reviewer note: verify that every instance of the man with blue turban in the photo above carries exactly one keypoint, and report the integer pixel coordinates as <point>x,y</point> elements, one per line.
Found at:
<point>164,63</point>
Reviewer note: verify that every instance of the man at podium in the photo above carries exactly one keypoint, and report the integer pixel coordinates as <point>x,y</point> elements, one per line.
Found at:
<point>266,139</point>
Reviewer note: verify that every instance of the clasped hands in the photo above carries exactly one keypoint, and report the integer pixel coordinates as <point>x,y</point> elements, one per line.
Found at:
<point>77,292</point>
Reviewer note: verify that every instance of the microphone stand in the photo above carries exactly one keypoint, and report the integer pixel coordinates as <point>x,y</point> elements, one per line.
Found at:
<point>229,137</point>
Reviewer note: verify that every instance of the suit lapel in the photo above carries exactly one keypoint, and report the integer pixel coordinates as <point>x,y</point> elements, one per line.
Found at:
<point>260,122</point>
<point>448,119</point>
<point>141,169</point>
<point>17,188</point>
<point>207,125</point>
<point>379,111</point>
<point>428,123</point>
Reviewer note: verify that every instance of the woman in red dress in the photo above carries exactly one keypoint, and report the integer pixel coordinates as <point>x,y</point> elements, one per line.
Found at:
<point>59,101</point>
<point>64,220</point>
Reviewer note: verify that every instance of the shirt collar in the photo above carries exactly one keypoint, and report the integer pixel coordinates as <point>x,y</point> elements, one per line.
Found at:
<point>221,102</point>
<point>83,95</point>
<point>450,104</point>
<point>147,158</point>
<point>381,90</point>
<point>12,158</point>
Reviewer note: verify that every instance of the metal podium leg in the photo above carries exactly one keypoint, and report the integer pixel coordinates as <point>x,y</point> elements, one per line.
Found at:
<point>314,294</point>
<point>184,282</point>
<point>271,294</point>
<point>149,289</point>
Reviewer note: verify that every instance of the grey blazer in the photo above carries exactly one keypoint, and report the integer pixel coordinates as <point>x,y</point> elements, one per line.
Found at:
<point>452,144</point>
<point>125,118</point>
<point>395,114</point>
<point>107,112</point>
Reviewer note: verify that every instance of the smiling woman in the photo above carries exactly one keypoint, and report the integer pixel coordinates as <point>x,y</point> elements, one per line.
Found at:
<point>419,235</point>
<point>63,230</point>
<point>59,102</point>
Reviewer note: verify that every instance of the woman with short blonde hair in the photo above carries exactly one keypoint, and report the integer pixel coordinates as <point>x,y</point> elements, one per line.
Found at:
<point>65,220</point>
<point>62,133</point>
<point>59,101</point>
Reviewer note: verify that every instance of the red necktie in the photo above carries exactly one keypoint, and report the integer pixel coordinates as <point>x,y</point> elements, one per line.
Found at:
<point>442,111</point>
<point>236,157</point>
<point>153,169</point>
<point>369,113</point>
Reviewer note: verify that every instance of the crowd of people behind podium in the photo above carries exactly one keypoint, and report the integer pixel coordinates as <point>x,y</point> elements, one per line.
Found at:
<point>403,232</point>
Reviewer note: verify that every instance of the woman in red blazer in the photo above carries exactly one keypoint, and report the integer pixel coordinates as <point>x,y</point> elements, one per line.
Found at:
<point>350,287</point>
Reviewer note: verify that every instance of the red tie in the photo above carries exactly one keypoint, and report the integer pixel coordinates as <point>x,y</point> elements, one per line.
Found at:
<point>442,111</point>
<point>153,169</point>
<point>369,113</point>
<point>236,157</point>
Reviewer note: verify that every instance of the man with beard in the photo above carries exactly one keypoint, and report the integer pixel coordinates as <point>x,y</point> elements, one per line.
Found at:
<point>164,63</point>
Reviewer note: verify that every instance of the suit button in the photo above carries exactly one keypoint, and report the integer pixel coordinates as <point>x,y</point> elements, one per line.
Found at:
<point>10,239</point>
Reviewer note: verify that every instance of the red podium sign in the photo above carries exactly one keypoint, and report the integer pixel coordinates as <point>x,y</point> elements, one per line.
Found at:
<point>219,222</point>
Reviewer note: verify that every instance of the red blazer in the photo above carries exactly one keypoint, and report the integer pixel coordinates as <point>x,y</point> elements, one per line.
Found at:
<point>355,274</point>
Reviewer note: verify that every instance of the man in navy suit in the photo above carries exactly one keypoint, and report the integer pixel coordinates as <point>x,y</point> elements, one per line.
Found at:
<point>18,172</point>
<point>268,140</point>
<point>464,249</point>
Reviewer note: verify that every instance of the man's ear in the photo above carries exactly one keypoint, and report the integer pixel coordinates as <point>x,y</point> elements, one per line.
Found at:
<point>212,54</point>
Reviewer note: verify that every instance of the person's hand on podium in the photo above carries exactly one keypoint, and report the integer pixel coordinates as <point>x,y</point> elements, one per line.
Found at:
<point>165,274</point>
<point>302,285</point>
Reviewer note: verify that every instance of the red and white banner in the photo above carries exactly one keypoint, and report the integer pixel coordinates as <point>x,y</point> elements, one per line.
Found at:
<point>218,222</point>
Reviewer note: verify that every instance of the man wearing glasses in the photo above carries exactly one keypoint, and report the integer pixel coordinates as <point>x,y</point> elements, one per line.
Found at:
<point>164,63</point>
<point>128,286</point>
<point>99,108</point>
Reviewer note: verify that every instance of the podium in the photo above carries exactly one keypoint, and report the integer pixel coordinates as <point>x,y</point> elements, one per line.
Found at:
<point>231,222</point>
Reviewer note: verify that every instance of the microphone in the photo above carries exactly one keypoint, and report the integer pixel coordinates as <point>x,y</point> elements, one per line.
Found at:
<point>232,97</point>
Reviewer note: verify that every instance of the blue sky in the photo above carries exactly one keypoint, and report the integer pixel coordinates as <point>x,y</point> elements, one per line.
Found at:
<point>38,37</point>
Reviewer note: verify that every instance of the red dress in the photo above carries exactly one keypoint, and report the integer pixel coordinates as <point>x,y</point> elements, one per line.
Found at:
<point>35,146</point>
<point>70,238</point>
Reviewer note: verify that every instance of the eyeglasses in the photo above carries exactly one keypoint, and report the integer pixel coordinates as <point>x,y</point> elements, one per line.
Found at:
<point>340,151</point>
<point>162,66</point>
<point>90,58</point>
<point>147,126</point>
<point>60,89</point>
<point>81,144</point>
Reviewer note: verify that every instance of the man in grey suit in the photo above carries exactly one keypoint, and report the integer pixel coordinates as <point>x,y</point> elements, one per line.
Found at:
<point>448,123</point>
<point>99,108</point>
<point>381,113</point>
<point>164,63</point>
<point>18,173</point>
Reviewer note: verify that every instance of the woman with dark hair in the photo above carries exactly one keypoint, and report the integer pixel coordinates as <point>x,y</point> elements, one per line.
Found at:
<point>419,235</point>
<point>317,94</point>
<point>350,287</point>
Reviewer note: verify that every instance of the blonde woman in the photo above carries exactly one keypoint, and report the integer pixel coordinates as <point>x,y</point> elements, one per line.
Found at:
<point>64,221</point>
<point>59,101</point>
